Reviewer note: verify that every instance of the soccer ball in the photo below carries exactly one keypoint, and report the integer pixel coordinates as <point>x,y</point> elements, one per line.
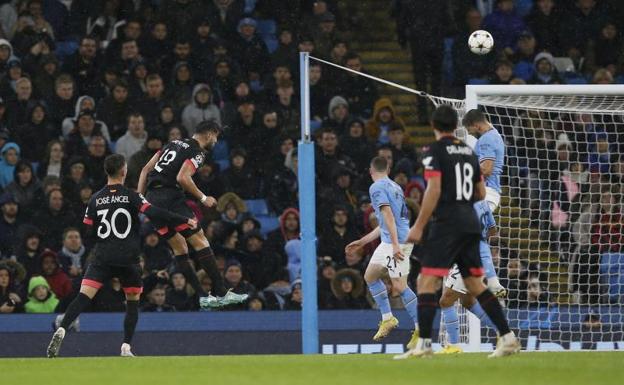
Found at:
<point>481,42</point>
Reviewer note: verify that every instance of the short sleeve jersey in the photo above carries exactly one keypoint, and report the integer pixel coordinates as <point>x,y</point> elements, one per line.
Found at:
<point>491,146</point>
<point>386,192</point>
<point>456,164</point>
<point>172,157</point>
<point>113,214</point>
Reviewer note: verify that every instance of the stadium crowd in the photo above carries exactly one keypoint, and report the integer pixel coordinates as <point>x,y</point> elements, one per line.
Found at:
<point>82,79</point>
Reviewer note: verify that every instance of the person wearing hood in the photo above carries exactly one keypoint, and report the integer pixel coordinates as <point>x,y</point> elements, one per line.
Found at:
<point>53,219</point>
<point>157,256</point>
<point>338,233</point>
<point>137,75</point>
<point>138,160</point>
<point>338,115</point>
<point>35,135</point>
<point>241,178</point>
<point>356,145</point>
<point>348,289</point>
<point>378,126</point>
<point>260,266</point>
<point>41,299</point>
<point>201,109</point>
<point>544,70</point>
<point>50,269</point>
<point>134,138</point>
<point>80,137</point>
<point>225,15</point>
<point>10,291</point>
<point>181,93</point>
<point>6,53</point>
<point>225,80</point>
<point>75,176</point>
<point>203,43</point>
<point>249,50</point>
<point>27,248</point>
<point>25,188</point>
<point>45,73</point>
<point>209,180</point>
<point>114,109</point>
<point>84,103</point>
<point>9,157</point>
<point>289,229</point>
<point>232,208</point>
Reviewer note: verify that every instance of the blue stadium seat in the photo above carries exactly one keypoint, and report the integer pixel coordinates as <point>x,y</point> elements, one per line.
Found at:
<point>221,150</point>
<point>224,164</point>
<point>268,223</point>
<point>250,6</point>
<point>267,28</point>
<point>314,125</point>
<point>447,61</point>
<point>257,207</point>
<point>612,274</point>
<point>619,79</point>
<point>478,81</point>
<point>575,80</point>
<point>65,49</point>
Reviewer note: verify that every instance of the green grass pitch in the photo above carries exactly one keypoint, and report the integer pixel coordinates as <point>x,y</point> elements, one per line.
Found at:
<point>568,368</point>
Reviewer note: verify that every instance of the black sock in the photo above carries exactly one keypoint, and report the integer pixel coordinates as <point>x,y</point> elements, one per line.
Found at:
<point>78,305</point>
<point>132,317</point>
<point>427,306</point>
<point>494,310</point>
<point>207,261</point>
<point>184,266</point>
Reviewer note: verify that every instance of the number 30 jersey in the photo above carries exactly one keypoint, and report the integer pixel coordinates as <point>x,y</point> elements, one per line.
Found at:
<point>458,166</point>
<point>172,157</point>
<point>113,219</point>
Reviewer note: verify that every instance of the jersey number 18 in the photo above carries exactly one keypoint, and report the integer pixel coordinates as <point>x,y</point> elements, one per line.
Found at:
<point>463,181</point>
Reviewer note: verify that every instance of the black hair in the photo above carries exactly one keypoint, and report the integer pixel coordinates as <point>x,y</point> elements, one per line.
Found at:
<point>472,117</point>
<point>208,126</point>
<point>379,164</point>
<point>444,119</point>
<point>113,164</point>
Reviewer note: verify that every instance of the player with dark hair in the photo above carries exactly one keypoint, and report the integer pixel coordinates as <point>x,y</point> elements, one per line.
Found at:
<point>166,178</point>
<point>454,183</point>
<point>112,218</point>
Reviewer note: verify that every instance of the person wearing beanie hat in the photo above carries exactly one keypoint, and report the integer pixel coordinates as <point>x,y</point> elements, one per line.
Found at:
<point>249,50</point>
<point>337,115</point>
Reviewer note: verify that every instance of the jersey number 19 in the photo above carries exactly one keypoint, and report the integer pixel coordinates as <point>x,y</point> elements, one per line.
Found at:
<point>463,181</point>
<point>167,157</point>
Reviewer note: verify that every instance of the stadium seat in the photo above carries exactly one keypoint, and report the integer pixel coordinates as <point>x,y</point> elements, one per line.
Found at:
<point>221,151</point>
<point>447,61</point>
<point>575,80</point>
<point>257,207</point>
<point>478,81</point>
<point>612,275</point>
<point>267,28</point>
<point>224,164</point>
<point>268,223</point>
<point>250,6</point>
<point>619,79</point>
<point>65,49</point>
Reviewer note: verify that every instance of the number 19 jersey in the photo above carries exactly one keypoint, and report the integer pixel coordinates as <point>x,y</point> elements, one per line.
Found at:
<point>458,166</point>
<point>172,157</point>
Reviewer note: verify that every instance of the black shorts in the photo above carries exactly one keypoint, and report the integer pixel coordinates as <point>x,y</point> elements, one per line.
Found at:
<point>171,199</point>
<point>130,276</point>
<point>445,246</point>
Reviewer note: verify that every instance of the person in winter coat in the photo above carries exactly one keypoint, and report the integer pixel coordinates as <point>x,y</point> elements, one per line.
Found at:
<point>73,256</point>
<point>84,103</point>
<point>27,248</point>
<point>232,208</point>
<point>338,115</point>
<point>241,178</point>
<point>10,293</point>
<point>9,156</point>
<point>233,279</point>
<point>181,93</point>
<point>153,143</point>
<point>114,109</point>
<point>25,189</point>
<point>249,50</point>
<point>40,298</point>
<point>10,222</point>
<point>156,301</point>
<point>201,109</point>
<point>50,269</point>
<point>289,229</point>
<point>504,24</point>
<point>357,145</point>
<point>134,138</point>
<point>338,234</point>
<point>348,289</point>
<point>52,163</point>
<point>53,219</point>
<point>384,114</point>
<point>180,295</point>
<point>86,128</point>
<point>545,71</point>
<point>33,136</point>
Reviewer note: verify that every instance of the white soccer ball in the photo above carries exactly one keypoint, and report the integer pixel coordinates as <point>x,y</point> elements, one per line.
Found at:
<point>481,42</point>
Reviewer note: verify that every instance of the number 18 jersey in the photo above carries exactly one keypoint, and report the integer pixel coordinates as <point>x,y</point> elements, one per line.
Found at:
<point>458,166</point>
<point>172,157</point>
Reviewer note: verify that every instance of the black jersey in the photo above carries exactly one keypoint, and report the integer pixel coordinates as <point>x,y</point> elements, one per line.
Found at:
<point>172,157</point>
<point>113,217</point>
<point>458,166</point>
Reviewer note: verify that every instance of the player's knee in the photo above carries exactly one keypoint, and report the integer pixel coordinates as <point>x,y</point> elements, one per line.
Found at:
<point>446,301</point>
<point>399,285</point>
<point>178,245</point>
<point>198,241</point>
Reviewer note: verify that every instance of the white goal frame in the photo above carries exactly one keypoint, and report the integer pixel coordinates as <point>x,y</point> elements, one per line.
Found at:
<point>475,92</point>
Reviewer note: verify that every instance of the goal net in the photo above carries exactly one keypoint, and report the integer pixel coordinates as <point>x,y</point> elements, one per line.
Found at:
<point>559,250</point>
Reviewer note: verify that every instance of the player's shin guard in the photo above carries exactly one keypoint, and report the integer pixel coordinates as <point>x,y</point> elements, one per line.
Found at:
<point>410,301</point>
<point>427,306</point>
<point>380,295</point>
<point>477,310</point>
<point>494,310</point>
<point>183,265</point>
<point>132,317</point>
<point>78,305</point>
<point>451,322</point>
<point>207,261</point>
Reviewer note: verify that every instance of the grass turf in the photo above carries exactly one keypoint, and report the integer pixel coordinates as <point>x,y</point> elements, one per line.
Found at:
<point>569,368</point>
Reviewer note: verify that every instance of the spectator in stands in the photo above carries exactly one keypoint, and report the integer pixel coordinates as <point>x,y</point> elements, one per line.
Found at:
<point>10,293</point>
<point>201,109</point>
<point>9,224</point>
<point>504,25</point>
<point>605,50</point>
<point>134,138</point>
<point>544,21</point>
<point>348,289</point>
<point>360,92</point>
<point>52,162</point>
<point>180,295</point>
<point>338,233</point>
<point>52,219</point>
<point>286,51</point>
<point>536,295</point>
<point>287,108</point>
<point>181,92</point>
<point>600,154</point>
<point>154,100</point>
<point>114,109</point>
<point>138,160</point>
<point>524,56</point>
<point>63,103</point>
<point>233,276</point>
<point>402,151</point>
<point>17,108</point>
<point>249,50</point>
<point>260,266</point>
<point>50,269</point>
<point>289,229</point>
<point>608,229</point>
<point>341,192</point>
<point>338,115</point>
<point>579,25</point>
<point>503,72</point>
<point>14,72</point>
<point>157,301</point>
<point>33,136</point>
<point>232,208</point>
<point>602,76</point>
<point>9,157</point>
<point>84,64</point>
<point>97,152</point>
<point>545,70</point>
<point>25,188</point>
<point>40,298</point>
<point>356,145</point>
<point>241,178</point>
<point>84,103</point>
<point>379,124</point>
<point>295,301</point>
<point>330,158</point>
<point>73,256</point>
<point>319,92</point>
<point>76,176</point>
<point>78,141</point>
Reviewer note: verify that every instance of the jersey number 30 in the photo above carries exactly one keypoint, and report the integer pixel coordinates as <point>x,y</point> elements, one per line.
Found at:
<point>106,225</point>
<point>167,157</point>
<point>463,181</point>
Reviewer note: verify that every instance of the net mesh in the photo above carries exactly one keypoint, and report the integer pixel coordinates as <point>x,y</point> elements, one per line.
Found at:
<point>559,250</point>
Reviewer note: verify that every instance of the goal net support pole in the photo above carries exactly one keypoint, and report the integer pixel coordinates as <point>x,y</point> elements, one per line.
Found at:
<point>307,194</point>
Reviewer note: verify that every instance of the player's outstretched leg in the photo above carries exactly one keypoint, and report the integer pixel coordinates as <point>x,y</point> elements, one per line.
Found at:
<point>77,306</point>
<point>378,291</point>
<point>410,301</point>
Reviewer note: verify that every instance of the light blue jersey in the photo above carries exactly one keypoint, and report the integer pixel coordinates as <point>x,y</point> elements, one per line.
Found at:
<point>490,146</point>
<point>386,192</point>
<point>487,222</point>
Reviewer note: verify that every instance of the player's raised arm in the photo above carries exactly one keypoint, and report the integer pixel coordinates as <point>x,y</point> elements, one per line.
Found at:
<point>142,185</point>
<point>185,179</point>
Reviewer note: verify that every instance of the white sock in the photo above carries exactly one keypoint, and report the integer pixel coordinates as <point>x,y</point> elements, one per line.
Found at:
<point>423,343</point>
<point>386,316</point>
<point>493,282</point>
<point>416,328</point>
